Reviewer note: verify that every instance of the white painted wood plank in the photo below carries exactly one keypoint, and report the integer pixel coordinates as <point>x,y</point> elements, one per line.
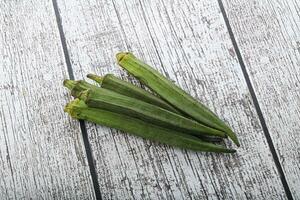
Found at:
<point>187,41</point>
<point>268,35</point>
<point>41,150</point>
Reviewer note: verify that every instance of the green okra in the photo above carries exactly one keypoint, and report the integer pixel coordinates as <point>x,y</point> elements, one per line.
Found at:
<point>171,93</point>
<point>117,85</point>
<point>153,114</point>
<point>81,85</point>
<point>106,99</point>
<point>79,110</point>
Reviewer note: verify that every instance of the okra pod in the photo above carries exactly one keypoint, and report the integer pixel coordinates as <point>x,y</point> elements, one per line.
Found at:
<point>135,108</point>
<point>117,85</point>
<point>83,85</point>
<point>171,93</point>
<point>79,110</point>
<point>106,99</point>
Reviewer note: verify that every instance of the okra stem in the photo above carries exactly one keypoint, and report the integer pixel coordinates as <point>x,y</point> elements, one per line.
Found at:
<point>70,84</point>
<point>80,86</point>
<point>96,78</point>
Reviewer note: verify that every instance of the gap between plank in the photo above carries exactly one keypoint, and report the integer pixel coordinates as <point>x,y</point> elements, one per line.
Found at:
<point>256,104</point>
<point>87,145</point>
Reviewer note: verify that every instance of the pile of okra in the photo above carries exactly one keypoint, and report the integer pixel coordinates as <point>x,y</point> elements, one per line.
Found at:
<point>166,115</point>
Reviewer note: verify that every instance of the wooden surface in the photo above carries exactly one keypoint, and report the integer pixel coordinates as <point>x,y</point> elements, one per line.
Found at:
<point>268,35</point>
<point>42,152</point>
<point>189,43</point>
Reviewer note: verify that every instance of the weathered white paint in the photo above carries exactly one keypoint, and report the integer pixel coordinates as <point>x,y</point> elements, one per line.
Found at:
<point>268,35</point>
<point>188,42</point>
<point>41,150</point>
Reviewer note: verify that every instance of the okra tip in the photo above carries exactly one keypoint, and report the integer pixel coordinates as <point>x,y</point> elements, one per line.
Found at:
<point>70,84</point>
<point>233,137</point>
<point>95,78</point>
<point>220,149</point>
<point>230,151</point>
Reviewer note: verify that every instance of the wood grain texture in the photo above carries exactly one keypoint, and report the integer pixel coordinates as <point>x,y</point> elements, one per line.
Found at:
<point>188,42</point>
<point>41,150</point>
<point>268,35</point>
